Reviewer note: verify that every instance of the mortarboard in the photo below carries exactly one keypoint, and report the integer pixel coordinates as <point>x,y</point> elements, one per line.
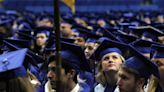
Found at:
<point>108,46</point>
<point>86,33</point>
<point>6,22</point>
<point>107,33</point>
<point>31,56</point>
<point>125,38</point>
<point>143,46</point>
<point>157,51</point>
<point>18,42</point>
<point>151,32</point>
<point>69,20</point>
<point>135,31</point>
<point>45,16</point>
<point>159,26</point>
<point>43,29</point>
<point>11,65</point>
<point>25,34</point>
<point>146,31</point>
<point>141,64</point>
<point>75,56</point>
<point>91,40</point>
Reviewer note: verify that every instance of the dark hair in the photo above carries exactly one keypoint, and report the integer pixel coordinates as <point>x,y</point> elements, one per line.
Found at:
<point>133,72</point>
<point>65,64</point>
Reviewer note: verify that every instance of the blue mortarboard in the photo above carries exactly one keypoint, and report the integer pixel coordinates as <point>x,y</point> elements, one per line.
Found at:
<point>143,46</point>
<point>15,45</point>
<point>107,33</point>
<point>6,23</point>
<point>113,29</point>
<point>79,27</point>
<point>125,38</point>
<point>86,33</point>
<point>141,64</point>
<point>108,46</point>
<point>91,40</point>
<point>12,64</point>
<point>136,31</point>
<point>157,51</point>
<point>25,22</point>
<point>68,20</point>
<point>75,56</point>
<point>43,29</point>
<point>125,25</point>
<point>151,32</point>
<point>159,26</point>
<point>25,34</point>
<point>45,16</point>
<point>18,42</point>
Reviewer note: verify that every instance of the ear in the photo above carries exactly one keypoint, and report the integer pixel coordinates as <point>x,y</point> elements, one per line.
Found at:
<point>71,73</point>
<point>141,81</point>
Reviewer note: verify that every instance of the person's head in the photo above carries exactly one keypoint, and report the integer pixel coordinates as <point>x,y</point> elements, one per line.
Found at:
<point>79,41</point>
<point>90,47</point>
<point>134,72</point>
<point>111,59</point>
<point>101,22</point>
<point>42,37</point>
<point>72,58</point>
<point>160,18</point>
<point>129,80</point>
<point>157,56</point>
<point>45,21</point>
<point>68,73</point>
<point>110,56</point>
<point>65,29</point>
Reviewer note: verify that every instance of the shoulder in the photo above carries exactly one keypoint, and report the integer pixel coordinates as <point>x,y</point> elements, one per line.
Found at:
<point>99,88</point>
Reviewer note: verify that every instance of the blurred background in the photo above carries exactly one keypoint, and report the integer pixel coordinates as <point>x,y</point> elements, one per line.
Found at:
<point>100,6</point>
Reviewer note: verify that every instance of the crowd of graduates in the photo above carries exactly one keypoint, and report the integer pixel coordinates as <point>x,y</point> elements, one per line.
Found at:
<point>118,51</point>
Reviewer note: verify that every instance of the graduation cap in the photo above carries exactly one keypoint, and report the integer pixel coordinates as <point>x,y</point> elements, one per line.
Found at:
<point>11,65</point>
<point>43,29</point>
<point>141,64</point>
<point>125,38</point>
<point>108,46</point>
<point>107,33</point>
<point>151,32</point>
<point>91,40</point>
<point>45,16</point>
<point>31,56</point>
<point>68,20</point>
<point>146,31</point>
<point>86,33</point>
<point>159,26</point>
<point>25,34</point>
<point>135,31</point>
<point>157,51</point>
<point>6,22</point>
<point>75,56</point>
<point>143,46</point>
<point>18,42</point>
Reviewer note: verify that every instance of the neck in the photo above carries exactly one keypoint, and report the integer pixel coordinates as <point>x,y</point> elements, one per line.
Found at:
<point>111,77</point>
<point>72,85</point>
<point>69,87</point>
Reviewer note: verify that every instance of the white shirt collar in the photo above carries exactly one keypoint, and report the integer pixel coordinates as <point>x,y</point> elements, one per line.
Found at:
<point>76,88</point>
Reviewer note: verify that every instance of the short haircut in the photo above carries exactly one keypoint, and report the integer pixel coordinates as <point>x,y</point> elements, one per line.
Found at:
<point>65,64</point>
